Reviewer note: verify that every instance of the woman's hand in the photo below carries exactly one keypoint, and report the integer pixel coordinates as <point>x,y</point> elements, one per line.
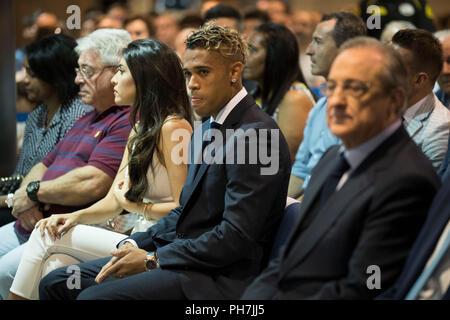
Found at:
<point>56,224</point>
<point>120,188</point>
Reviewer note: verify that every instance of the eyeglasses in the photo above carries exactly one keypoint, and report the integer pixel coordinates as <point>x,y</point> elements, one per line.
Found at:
<point>350,87</point>
<point>88,72</point>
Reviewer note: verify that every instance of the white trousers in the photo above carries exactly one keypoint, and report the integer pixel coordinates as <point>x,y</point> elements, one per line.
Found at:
<point>42,255</point>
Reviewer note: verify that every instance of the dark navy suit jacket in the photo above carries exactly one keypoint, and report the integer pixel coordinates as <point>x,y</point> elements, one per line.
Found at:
<point>222,232</point>
<point>373,220</point>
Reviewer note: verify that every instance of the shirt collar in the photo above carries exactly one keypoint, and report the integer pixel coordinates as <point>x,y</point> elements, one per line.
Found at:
<point>411,112</point>
<point>225,111</point>
<point>358,154</point>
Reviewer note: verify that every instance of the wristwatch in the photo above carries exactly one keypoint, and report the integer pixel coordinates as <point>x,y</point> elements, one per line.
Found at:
<point>32,190</point>
<point>151,261</point>
<point>10,200</point>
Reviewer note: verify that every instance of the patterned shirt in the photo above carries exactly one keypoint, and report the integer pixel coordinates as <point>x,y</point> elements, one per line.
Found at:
<point>96,139</point>
<point>38,140</point>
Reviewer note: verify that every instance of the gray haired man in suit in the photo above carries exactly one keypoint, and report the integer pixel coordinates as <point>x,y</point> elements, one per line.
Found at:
<point>367,200</point>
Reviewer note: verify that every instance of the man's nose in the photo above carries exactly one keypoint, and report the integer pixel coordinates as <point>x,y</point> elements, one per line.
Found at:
<point>79,79</point>
<point>309,49</point>
<point>446,67</point>
<point>193,83</point>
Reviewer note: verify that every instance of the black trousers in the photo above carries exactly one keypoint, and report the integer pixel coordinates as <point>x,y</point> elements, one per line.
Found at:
<point>156,284</point>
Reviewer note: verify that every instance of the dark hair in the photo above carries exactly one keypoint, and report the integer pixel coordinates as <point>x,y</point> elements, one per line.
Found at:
<point>148,24</point>
<point>160,92</point>
<point>347,26</point>
<point>281,67</point>
<point>257,14</point>
<point>191,20</point>
<point>222,11</point>
<point>53,60</point>
<point>425,48</point>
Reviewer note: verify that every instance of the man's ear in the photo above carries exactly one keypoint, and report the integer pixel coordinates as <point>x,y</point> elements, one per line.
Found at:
<point>421,78</point>
<point>236,70</point>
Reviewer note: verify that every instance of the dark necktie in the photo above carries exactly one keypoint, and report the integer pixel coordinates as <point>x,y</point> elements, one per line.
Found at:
<point>207,135</point>
<point>332,181</point>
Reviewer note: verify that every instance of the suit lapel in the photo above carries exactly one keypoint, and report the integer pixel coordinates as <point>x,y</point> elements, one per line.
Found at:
<point>325,218</point>
<point>357,186</point>
<point>198,170</point>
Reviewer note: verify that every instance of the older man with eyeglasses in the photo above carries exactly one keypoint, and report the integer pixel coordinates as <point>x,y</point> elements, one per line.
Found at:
<point>367,199</point>
<point>82,166</point>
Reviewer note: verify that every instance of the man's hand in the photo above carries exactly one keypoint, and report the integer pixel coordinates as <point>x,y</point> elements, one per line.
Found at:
<point>21,202</point>
<point>30,217</point>
<point>126,261</point>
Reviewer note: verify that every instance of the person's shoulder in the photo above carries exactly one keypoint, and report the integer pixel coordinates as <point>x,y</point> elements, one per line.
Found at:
<point>173,123</point>
<point>440,110</point>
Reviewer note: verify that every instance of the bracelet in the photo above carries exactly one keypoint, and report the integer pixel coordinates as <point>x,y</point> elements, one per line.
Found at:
<point>144,213</point>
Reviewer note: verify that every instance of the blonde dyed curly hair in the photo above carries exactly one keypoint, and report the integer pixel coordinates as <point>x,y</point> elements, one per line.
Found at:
<point>226,41</point>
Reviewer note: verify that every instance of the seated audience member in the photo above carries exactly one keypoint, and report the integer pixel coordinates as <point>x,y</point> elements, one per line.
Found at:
<point>392,28</point>
<point>426,119</point>
<point>273,63</point>
<point>139,27</point>
<point>333,30</point>
<point>192,19</point>
<point>166,26</point>
<point>224,16</point>
<point>49,81</point>
<point>252,19</point>
<point>214,244</point>
<point>278,11</point>
<point>367,199</point>
<point>426,272</point>
<point>180,41</point>
<point>82,166</point>
<point>107,22</point>
<point>149,78</point>
<point>117,11</point>
<point>443,92</point>
<point>303,25</point>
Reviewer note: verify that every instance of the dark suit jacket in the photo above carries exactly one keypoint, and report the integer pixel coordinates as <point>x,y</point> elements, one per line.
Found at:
<point>372,220</point>
<point>424,246</point>
<point>220,235</point>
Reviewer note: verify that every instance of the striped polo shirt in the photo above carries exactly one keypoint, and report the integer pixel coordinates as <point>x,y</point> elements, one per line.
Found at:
<point>96,139</point>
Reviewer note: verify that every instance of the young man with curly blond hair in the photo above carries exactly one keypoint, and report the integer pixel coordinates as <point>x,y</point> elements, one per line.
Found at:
<point>216,242</point>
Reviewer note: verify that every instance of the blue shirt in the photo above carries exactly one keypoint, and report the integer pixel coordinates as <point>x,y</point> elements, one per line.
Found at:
<point>317,138</point>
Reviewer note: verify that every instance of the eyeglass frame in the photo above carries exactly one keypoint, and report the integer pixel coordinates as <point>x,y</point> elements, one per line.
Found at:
<point>81,72</point>
<point>365,86</point>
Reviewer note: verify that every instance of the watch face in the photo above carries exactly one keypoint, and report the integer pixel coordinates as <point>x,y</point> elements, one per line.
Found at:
<point>32,189</point>
<point>151,264</point>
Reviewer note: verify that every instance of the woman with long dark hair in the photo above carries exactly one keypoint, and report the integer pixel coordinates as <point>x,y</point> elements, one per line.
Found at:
<point>152,173</point>
<point>273,62</point>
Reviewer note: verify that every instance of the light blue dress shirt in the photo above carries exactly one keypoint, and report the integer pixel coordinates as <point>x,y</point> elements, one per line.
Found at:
<point>317,138</point>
